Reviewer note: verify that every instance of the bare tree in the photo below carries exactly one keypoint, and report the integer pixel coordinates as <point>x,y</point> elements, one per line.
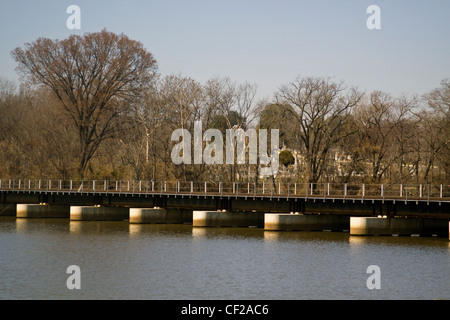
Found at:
<point>376,123</point>
<point>230,106</point>
<point>93,76</point>
<point>322,107</point>
<point>405,133</point>
<point>182,99</point>
<point>59,136</point>
<point>144,136</point>
<point>436,127</point>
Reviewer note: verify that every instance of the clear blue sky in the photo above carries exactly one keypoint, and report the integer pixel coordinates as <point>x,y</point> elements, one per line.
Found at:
<point>264,42</point>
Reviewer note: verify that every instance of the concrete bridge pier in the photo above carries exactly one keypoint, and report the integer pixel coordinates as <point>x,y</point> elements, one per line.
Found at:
<point>301,222</point>
<point>399,226</point>
<point>160,215</point>
<point>99,213</point>
<point>227,219</point>
<point>42,211</point>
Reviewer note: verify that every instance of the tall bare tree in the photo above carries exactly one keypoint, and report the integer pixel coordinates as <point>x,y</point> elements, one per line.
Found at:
<point>436,127</point>
<point>230,106</point>
<point>380,123</point>
<point>322,107</point>
<point>93,76</point>
<point>182,98</point>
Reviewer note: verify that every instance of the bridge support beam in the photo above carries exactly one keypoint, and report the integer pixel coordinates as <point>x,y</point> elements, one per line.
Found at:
<point>398,226</point>
<point>300,222</point>
<point>99,213</point>
<point>160,215</point>
<point>42,211</point>
<point>227,219</point>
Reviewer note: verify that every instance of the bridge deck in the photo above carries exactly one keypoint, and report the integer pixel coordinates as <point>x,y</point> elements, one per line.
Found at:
<point>438,192</point>
<point>407,200</point>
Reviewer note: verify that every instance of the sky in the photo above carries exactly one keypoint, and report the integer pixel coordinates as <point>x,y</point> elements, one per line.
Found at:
<point>267,43</point>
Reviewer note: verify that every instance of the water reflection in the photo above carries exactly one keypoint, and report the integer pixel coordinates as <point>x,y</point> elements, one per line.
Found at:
<point>27,225</point>
<point>199,233</point>
<point>21,225</point>
<point>405,241</point>
<point>227,233</point>
<point>75,227</point>
<point>119,260</point>
<point>270,236</point>
<point>356,241</point>
<point>97,227</point>
<point>136,230</point>
<point>300,236</point>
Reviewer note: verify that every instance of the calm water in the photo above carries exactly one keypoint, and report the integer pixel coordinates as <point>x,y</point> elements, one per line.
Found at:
<point>122,261</point>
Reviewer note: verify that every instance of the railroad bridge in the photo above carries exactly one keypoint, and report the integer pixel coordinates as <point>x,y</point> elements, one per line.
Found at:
<point>424,202</point>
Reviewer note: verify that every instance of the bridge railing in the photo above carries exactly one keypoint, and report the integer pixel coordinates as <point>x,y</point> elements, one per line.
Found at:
<point>268,188</point>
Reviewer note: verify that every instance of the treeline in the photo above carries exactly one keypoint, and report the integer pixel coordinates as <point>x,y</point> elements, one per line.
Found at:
<point>95,107</point>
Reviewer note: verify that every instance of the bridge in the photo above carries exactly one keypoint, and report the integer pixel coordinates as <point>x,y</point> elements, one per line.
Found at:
<point>408,208</point>
<point>425,201</point>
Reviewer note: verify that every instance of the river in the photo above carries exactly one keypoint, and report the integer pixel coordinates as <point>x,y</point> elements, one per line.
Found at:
<point>118,260</point>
